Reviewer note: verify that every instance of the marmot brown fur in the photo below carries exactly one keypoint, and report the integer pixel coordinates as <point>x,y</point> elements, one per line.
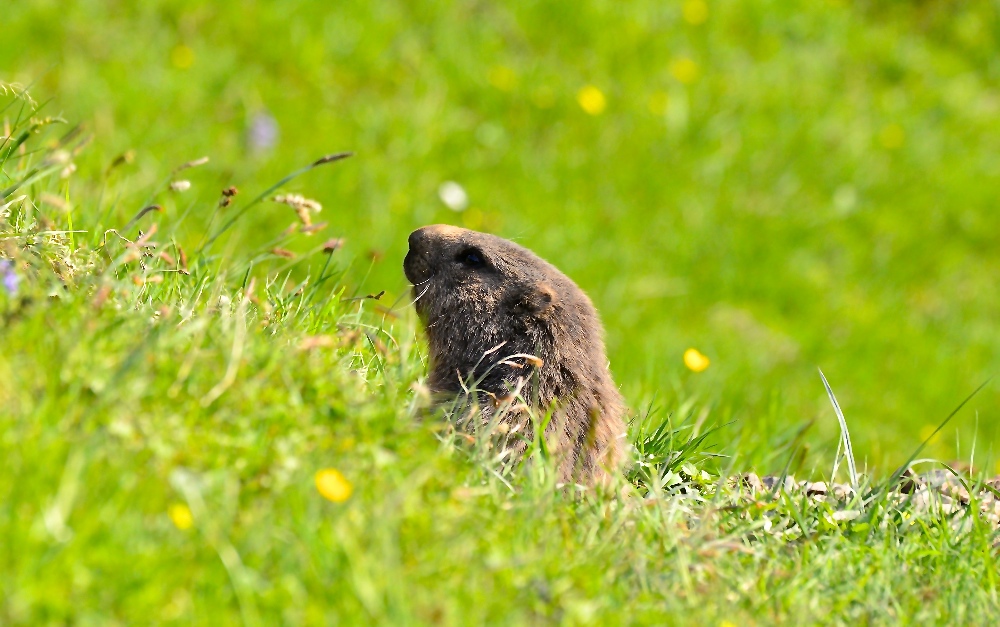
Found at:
<point>505,326</point>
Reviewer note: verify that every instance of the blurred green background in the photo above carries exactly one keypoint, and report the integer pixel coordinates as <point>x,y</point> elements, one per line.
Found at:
<point>781,185</point>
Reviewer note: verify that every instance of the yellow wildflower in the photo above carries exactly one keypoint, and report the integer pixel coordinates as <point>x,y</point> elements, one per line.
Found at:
<point>333,485</point>
<point>592,100</point>
<point>695,12</point>
<point>181,516</point>
<point>685,70</point>
<point>182,57</point>
<point>695,361</point>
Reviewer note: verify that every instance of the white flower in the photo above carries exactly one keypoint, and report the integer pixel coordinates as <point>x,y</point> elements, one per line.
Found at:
<point>453,196</point>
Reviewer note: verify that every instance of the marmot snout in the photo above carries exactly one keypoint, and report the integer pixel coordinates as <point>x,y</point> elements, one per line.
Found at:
<point>475,292</point>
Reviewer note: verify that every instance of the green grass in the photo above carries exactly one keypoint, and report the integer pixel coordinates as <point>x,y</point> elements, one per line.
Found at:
<point>820,194</point>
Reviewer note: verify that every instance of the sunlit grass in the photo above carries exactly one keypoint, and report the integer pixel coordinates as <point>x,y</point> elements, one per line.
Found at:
<point>772,188</point>
<point>228,443</point>
<point>210,384</point>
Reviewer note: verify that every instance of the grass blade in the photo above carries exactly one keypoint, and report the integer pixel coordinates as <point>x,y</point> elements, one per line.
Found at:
<point>899,471</point>
<point>844,434</point>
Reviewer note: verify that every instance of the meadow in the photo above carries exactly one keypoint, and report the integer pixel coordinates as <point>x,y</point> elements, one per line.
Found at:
<point>206,415</point>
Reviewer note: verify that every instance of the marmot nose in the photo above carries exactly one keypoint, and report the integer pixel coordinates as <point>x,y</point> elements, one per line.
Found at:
<point>418,240</point>
<point>417,264</point>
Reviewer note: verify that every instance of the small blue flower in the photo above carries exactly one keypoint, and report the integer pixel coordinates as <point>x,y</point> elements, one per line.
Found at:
<point>262,135</point>
<point>10,278</point>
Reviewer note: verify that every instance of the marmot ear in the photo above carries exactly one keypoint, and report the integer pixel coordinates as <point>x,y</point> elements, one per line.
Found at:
<point>537,298</point>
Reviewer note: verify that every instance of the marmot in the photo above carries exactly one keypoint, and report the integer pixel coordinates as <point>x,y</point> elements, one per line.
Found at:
<point>505,326</point>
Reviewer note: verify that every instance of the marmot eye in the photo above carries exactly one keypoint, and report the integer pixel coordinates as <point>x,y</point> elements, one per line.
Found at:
<point>471,257</point>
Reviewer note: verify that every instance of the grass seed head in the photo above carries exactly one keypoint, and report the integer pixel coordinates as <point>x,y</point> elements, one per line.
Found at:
<point>334,157</point>
<point>227,196</point>
<point>303,206</point>
<point>331,245</point>
<point>310,229</point>
<point>194,163</point>
<point>534,361</point>
<point>298,200</point>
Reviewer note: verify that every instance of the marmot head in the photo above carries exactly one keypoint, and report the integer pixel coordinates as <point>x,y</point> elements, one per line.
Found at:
<point>457,271</point>
<point>474,291</point>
